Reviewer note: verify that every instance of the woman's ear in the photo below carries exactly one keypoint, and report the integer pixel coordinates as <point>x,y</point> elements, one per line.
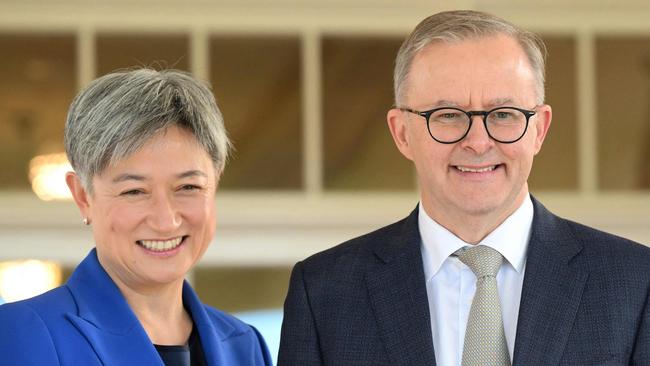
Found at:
<point>79,194</point>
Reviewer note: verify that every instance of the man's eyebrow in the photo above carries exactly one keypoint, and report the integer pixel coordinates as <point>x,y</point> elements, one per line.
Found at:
<point>500,101</point>
<point>444,103</point>
<point>192,173</point>
<point>492,103</point>
<point>128,176</point>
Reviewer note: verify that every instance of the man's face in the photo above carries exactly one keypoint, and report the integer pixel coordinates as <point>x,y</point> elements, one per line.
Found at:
<point>476,74</point>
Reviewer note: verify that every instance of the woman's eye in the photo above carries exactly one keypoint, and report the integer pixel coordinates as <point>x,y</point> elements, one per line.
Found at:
<point>189,187</point>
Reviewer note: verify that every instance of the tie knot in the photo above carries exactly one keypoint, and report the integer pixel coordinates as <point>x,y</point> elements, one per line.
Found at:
<point>481,259</point>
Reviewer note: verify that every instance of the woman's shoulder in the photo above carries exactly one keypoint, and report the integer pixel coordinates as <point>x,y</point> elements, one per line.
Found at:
<point>243,335</point>
<point>223,320</point>
<point>43,313</point>
<point>28,326</point>
<point>54,302</point>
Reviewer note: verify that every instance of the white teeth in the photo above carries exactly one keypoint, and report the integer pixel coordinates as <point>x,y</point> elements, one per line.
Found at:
<point>161,245</point>
<point>482,170</point>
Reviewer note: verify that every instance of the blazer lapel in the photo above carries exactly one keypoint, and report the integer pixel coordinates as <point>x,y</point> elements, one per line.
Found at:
<point>398,296</point>
<point>551,293</point>
<point>212,338</point>
<point>105,318</point>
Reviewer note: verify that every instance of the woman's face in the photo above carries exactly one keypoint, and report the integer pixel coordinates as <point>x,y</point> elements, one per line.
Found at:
<point>153,213</point>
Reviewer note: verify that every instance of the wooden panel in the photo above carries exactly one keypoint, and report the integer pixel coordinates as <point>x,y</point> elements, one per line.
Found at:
<point>556,166</point>
<point>158,51</point>
<point>257,84</point>
<point>38,83</point>
<point>359,153</point>
<point>623,79</point>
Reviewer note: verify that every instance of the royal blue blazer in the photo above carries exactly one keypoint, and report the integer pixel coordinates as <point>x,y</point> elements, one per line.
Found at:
<point>88,322</point>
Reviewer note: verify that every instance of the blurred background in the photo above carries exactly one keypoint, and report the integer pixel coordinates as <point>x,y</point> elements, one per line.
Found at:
<point>304,86</point>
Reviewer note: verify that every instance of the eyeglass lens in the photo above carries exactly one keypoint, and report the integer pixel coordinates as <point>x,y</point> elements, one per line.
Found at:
<point>503,124</point>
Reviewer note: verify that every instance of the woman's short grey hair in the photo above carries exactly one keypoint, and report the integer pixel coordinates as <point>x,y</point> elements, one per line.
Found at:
<point>459,25</point>
<point>118,113</point>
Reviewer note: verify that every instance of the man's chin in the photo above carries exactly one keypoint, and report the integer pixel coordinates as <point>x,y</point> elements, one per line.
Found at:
<point>490,205</point>
<point>478,211</point>
<point>479,206</point>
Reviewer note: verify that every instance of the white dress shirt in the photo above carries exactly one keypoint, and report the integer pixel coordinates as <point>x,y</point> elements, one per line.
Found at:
<point>451,284</point>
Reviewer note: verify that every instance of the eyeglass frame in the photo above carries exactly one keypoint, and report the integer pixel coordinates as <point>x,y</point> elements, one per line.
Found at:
<point>426,114</point>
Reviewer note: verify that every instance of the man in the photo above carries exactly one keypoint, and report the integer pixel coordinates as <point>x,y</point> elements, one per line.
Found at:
<point>480,273</point>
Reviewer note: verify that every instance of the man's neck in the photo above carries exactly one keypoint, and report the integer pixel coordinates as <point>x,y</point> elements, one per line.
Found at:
<point>472,228</point>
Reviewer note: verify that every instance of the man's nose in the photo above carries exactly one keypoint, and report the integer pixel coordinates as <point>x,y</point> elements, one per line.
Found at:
<point>477,139</point>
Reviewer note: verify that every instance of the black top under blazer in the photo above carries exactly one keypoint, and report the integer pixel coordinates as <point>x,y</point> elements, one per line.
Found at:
<point>585,300</point>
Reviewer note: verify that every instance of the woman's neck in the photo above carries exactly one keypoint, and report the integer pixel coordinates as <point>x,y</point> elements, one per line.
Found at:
<point>159,308</point>
<point>162,315</point>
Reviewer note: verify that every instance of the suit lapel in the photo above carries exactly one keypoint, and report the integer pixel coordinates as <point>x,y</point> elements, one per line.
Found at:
<point>551,293</point>
<point>105,318</point>
<point>398,296</point>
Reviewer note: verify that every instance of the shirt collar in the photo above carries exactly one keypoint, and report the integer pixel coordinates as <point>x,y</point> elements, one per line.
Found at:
<point>510,239</point>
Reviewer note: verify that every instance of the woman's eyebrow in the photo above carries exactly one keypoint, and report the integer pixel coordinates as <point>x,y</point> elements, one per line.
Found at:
<point>128,176</point>
<point>192,173</point>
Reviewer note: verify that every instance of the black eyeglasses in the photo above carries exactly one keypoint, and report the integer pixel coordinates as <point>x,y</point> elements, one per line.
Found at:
<point>448,125</point>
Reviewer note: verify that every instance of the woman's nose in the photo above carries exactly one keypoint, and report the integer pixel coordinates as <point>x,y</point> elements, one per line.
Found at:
<point>164,216</point>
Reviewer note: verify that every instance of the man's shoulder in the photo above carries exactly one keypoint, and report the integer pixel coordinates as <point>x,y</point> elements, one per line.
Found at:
<point>595,242</point>
<point>353,256</point>
<point>610,246</point>
<point>360,244</point>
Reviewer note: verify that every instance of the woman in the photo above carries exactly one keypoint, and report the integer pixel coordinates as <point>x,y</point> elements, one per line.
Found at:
<point>147,149</point>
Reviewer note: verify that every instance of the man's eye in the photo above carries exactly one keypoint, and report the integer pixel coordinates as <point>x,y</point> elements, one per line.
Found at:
<point>447,116</point>
<point>132,192</point>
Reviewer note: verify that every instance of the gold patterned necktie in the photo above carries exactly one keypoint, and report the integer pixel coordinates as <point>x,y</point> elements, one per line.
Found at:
<point>485,339</point>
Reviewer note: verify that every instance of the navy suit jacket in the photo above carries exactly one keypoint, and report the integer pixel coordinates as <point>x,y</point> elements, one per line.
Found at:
<point>585,300</point>
<point>88,322</point>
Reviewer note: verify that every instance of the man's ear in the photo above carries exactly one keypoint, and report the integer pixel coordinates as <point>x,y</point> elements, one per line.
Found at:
<point>397,124</point>
<point>79,194</point>
<point>543,119</point>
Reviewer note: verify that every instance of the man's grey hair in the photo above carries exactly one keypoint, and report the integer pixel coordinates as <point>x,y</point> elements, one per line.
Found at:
<point>460,25</point>
<point>118,113</point>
